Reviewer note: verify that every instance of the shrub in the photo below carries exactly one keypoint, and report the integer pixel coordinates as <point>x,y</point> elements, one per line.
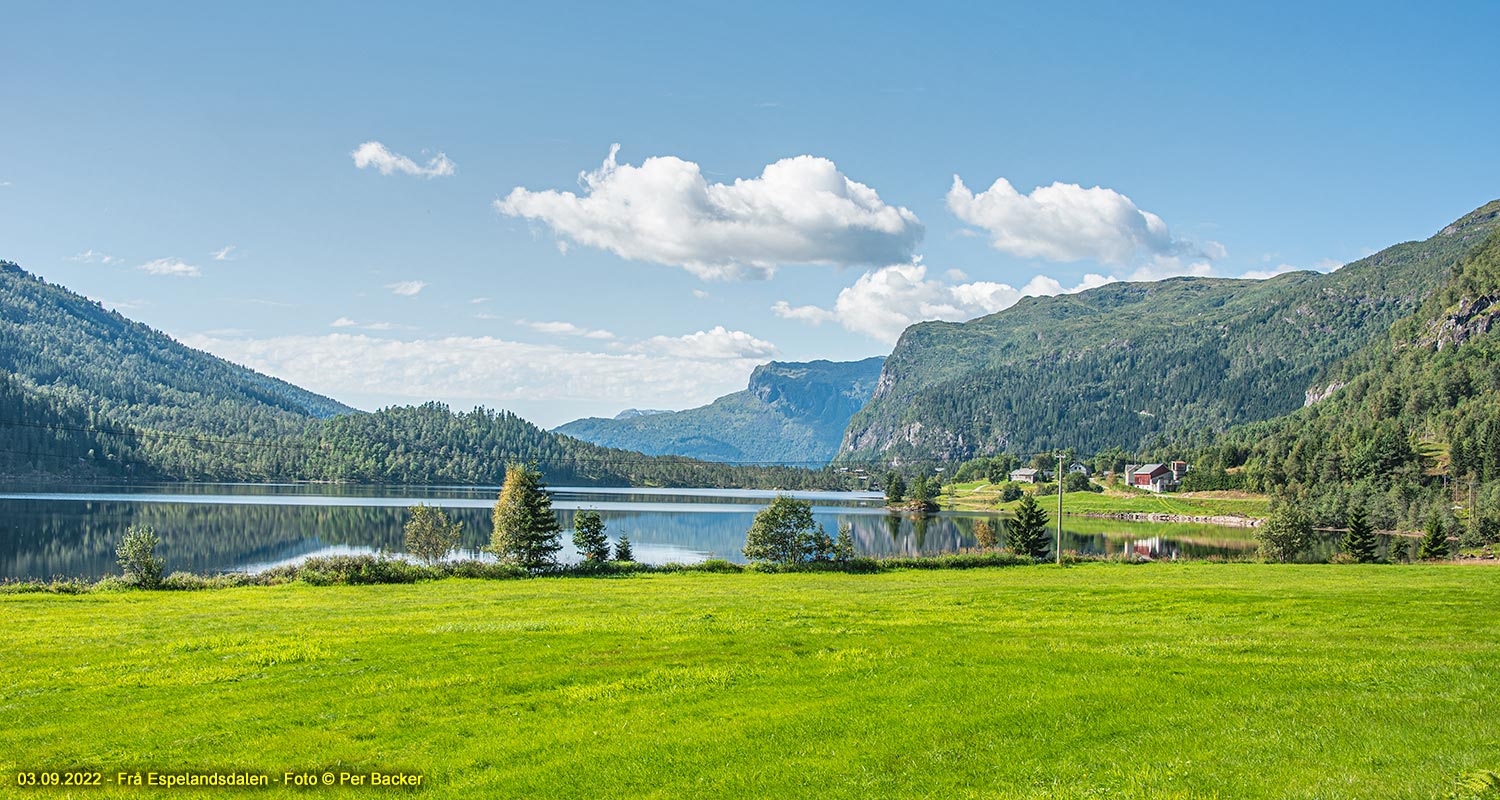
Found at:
<point>1010,492</point>
<point>429,534</point>
<point>1285,534</point>
<point>138,559</point>
<point>784,533</point>
<point>984,534</point>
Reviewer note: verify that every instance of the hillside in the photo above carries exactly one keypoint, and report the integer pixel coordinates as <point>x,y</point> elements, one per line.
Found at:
<point>1408,426</point>
<point>1129,364</point>
<point>86,393</point>
<point>791,413</point>
<point>64,345</point>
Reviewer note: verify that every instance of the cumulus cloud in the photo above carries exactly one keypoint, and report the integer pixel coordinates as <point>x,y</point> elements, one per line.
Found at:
<point>175,267</point>
<point>375,154</point>
<point>1066,222</point>
<point>545,383</point>
<point>886,301</point>
<point>716,344</point>
<point>800,210</point>
<point>565,329</point>
<point>407,288</point>
<point>91,256</point>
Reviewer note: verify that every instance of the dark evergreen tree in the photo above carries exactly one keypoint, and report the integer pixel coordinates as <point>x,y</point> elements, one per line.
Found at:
<point>1027,533</point>
<point>895,488</point>
<point>623,552</point>
<point>1434,539</point>
<point>1359,541</point>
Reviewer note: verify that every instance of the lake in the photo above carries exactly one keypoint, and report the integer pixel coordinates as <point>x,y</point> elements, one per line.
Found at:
<point>211,528</point>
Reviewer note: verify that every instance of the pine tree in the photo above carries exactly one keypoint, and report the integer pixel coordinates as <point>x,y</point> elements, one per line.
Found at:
<point>526,531</point>
<point>1027,533</point>
<point>843,549</point>
<point>1359,542</point>
<point>895,488</point>
<point>589,538</point>
<point>1435,539</point>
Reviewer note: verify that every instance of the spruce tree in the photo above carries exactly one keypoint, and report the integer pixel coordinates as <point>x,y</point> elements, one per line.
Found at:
<point>1434,539</point>
<point>895,488</point>
<point>622,549</point>
<point>1359,542</point>
<point>526,531</point>
<point>1027,533</point>
<point>589,538</point>
<point>843,549</point>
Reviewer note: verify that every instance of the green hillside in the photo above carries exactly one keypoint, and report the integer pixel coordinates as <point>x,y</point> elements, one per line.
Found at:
<point>1410,425</point>
<point>1130,364</point>
<point>791,413</point>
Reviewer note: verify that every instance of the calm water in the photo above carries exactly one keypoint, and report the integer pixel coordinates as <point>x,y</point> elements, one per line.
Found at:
<point>210,528</point>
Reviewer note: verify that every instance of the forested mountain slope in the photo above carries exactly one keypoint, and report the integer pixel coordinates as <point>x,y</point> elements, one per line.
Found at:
<point>1130,364</point>
<point>86,393</point>
<point>1411,423</point>
<point>791,413</point>
<point>65,345</point>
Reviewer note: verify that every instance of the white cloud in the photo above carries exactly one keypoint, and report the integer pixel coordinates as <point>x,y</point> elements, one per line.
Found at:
<point>479,300</point>
<point>716,344</point>
<point>701,295</point>
<point>225,253</point>
<point>171,266</point>
<point>565,329</point>
<point>342,322</point>
<point>407,288</point>
<point>800,210</point>
<point>1321,265</point>
<point>375,154</point>
<point>885,302</point>
<point>1066,222</point>
<point>545,383</point>
<point>91,256</point>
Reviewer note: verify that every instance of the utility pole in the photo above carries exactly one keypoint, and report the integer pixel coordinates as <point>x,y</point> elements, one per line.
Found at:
<point>1058,547</point>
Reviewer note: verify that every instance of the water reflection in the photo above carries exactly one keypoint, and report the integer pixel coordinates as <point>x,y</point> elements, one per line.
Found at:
<point>44,535</point>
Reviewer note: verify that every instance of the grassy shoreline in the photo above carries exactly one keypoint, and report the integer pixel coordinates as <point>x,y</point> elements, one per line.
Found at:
<point>1181,680</point>
<point>978,496</point>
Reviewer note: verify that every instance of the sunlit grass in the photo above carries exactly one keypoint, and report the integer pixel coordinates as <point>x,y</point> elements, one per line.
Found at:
<point>1100,680</point>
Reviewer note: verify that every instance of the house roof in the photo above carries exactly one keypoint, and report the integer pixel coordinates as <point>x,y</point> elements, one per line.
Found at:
<point>1024,471</point>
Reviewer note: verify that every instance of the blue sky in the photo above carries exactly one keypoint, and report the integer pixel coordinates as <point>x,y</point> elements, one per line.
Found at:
<point>139,142</point>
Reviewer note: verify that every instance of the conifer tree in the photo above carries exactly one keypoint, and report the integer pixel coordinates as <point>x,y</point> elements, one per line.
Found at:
<point>895,488</point>
<point>1027,533</point>
<point>843,549</point>
<point>622,549</point>
<point>589,538</point>
<point>1434,539</point>
<point>526,531</point>
<point>1359,542</point>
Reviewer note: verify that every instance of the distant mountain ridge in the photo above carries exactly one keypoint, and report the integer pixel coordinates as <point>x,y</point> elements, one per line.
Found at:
<point>1129,364</point>
<point>789,413</point>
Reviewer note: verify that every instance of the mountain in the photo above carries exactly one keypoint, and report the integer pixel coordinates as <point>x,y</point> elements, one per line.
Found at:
<point>87,394</point>
<point>64,345</point>
<point>1132,364</point>
<point>791,413</point>
<point>1406,428</point>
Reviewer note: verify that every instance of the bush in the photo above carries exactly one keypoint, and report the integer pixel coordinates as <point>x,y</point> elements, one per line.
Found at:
<point>1285,534</point>
<point>1010,492</point>
<point>138,559</point>
<point>429,534</point>
<point>784,533</point>
<point>362,570</point>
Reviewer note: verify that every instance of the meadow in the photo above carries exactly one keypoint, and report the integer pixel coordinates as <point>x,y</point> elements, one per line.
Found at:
<point>1096,680</point>
<point>979,496</point>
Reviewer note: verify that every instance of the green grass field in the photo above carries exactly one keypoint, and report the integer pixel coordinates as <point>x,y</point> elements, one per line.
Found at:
<point>1095,681</point>
<point>983,497</point>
